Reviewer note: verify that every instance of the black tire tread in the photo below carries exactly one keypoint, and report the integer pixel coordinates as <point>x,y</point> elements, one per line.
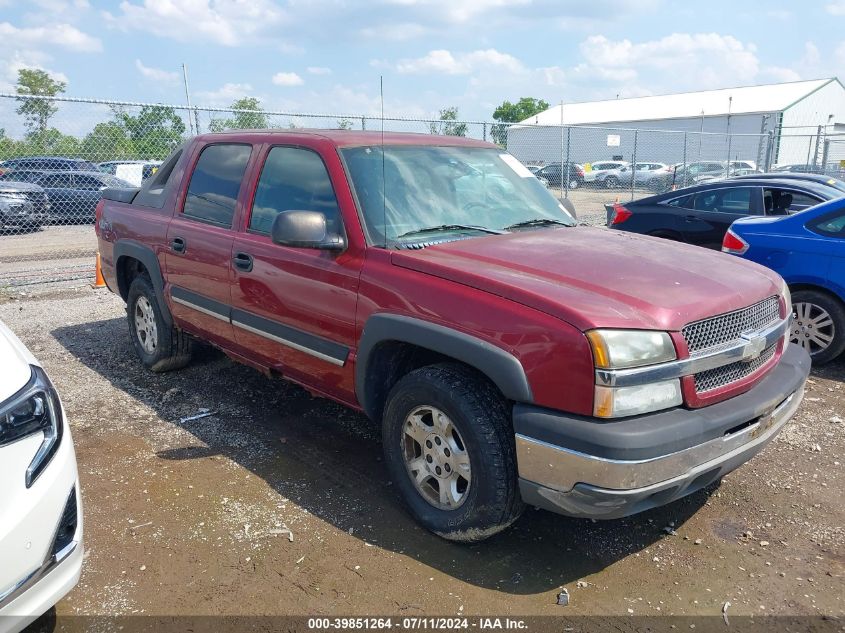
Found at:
<point>491,417</point>
<point>174,350</point>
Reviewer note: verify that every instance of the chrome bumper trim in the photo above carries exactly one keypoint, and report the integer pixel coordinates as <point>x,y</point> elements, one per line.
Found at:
<point>34,577</point>
<point>560,468</point>
<point>751,346</point>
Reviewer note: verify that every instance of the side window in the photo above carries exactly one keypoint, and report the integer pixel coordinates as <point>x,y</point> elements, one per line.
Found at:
<point>88,183</point>
<point>293,178</point>
<point>684,202</point>
<point>784,201</point>
<point>56,181</point>
<point>736,200</point>
<point>833,225</point>
<point>215,183</point>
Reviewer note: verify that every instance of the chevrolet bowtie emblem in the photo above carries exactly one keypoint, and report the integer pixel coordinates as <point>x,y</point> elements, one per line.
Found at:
<point>754,346</point>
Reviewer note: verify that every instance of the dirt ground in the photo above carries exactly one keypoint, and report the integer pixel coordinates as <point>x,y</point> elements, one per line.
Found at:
<point>279,503</point>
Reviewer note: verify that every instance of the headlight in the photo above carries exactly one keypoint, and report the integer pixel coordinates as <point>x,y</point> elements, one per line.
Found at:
<point>617,402</point>
<point>787,300</point>
<point>34,409</point>
<point>617,349</point>
<point>13,196</point>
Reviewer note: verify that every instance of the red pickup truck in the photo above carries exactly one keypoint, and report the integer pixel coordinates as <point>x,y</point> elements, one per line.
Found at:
<point>511,355</point>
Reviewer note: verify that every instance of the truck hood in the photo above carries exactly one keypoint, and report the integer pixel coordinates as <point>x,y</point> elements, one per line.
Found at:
<point>15,370</point>
<point>592,277</point>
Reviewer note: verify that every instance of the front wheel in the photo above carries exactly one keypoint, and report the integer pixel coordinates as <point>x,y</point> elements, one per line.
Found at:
<point>573,183</point>
<point>611,182</point>
<point>449,446</point>
<point>818,325</point>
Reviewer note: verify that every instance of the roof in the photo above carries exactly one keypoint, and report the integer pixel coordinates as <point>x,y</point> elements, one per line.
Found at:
<point>347,138</point>
<point>741,100</point>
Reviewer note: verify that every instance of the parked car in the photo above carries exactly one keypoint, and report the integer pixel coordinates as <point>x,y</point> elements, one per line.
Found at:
<point>821,179</point>
<point>603,173</point>
<point>132,171</point>
<point>701,214</point>
<point>739,165</point>
<point>53,163</point>
<point>73,195</point>
<point>23,206</point>
<point>552,173</point>
<point>653,176</point>
<point>732,172</point>
<point>808,251</point>
<point>688,174</point>
<point>425,281</point>
<point>40,504</point>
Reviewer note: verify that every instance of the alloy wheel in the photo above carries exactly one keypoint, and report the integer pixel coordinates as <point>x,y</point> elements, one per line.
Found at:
<point>436,457</point>
<point>145,325</point>
<point>812,328</point>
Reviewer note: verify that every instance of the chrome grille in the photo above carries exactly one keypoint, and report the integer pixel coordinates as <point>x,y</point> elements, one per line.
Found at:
<point>721,376</point>
<point>726,328</point>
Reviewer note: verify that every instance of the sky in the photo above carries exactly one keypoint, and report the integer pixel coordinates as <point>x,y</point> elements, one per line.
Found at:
<point>326,56</point>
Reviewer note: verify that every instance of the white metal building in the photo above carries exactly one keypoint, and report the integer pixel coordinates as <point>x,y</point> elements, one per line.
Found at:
<point>769,124</point>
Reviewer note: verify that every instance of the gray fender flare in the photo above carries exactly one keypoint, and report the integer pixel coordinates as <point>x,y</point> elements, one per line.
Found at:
<point>501,367</point>
<point>145,255</point>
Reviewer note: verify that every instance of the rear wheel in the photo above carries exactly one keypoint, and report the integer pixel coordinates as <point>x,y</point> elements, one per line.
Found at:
<point>159,346</point>
<point>818,324</point>
<point>449,446</point>
<point>611,182</point>
<point>573,183</point>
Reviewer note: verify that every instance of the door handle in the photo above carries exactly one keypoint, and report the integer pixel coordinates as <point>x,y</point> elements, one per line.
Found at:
<point>178,245</point>
<point>242,261</point>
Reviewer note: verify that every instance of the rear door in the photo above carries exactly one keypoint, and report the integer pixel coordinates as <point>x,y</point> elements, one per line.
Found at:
<point>59,189</point>
<point>87,193</point>
<point>296,306</point>
<point>708,214</point>
<point>200,239</point>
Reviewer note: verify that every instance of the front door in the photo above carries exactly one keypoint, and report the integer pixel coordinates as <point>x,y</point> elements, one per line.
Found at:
<point>200,235</point>
<point>708,214</point>
<point>296,306</point>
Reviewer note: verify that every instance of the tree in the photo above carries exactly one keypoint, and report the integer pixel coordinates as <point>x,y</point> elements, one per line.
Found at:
<point>514,113</point>
<point>250,117</point>
<point>108,141</point>
<point>37,112</point>
<point>344,124</point>
<point>447,124</point>
<point>154,132</point>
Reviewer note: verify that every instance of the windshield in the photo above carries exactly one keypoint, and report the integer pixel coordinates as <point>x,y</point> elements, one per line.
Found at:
<point>454,191</point>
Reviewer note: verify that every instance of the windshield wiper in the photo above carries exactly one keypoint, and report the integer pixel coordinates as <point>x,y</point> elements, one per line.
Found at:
<point>536,222</point>
<point>451,227</point>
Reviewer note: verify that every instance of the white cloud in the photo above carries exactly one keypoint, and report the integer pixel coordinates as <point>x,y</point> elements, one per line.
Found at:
<point>395,32</point>
<point>460,12</point>
<point>226,22</point>
<point>703,60</point>
<point>287,79</point>
<point>444,62</point>
<point>157,74</point>
<point>836,8</point>
<point>319,70</point>
<point>56,35</point>
<point>223,96</point>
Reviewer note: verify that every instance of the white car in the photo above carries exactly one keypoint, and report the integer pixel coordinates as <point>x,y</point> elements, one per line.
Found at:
<point>40,511</point>
<point>600,172</point>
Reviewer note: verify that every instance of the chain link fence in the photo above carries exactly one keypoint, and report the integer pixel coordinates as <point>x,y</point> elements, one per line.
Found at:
<point>57,154</point>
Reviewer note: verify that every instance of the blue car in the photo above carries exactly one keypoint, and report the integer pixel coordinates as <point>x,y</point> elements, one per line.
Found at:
<point>808,250</point>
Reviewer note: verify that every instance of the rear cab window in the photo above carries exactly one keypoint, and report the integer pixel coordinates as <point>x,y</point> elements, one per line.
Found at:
<point>832,225</point>
<point>216,182</point>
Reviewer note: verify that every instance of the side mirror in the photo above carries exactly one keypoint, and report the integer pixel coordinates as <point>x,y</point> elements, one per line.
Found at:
<point>305,229</point>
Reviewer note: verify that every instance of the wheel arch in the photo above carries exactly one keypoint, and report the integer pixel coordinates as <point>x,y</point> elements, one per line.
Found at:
<point>132,258</point>
<point>393,345</point>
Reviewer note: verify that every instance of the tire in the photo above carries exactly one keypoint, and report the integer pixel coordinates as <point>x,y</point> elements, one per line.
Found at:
<point>454,408</point>
<point>573,183</point>
<point>611,182</point>
<point>160,348</point>
<point>818,317</point>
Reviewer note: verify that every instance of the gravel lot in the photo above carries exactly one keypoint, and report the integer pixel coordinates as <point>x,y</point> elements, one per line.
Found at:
<point>279,503</point>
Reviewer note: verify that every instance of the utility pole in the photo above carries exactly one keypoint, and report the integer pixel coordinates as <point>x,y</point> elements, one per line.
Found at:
<point>188,99</point>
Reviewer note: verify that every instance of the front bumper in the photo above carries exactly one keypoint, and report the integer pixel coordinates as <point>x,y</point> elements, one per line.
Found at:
<point>600,469</point>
